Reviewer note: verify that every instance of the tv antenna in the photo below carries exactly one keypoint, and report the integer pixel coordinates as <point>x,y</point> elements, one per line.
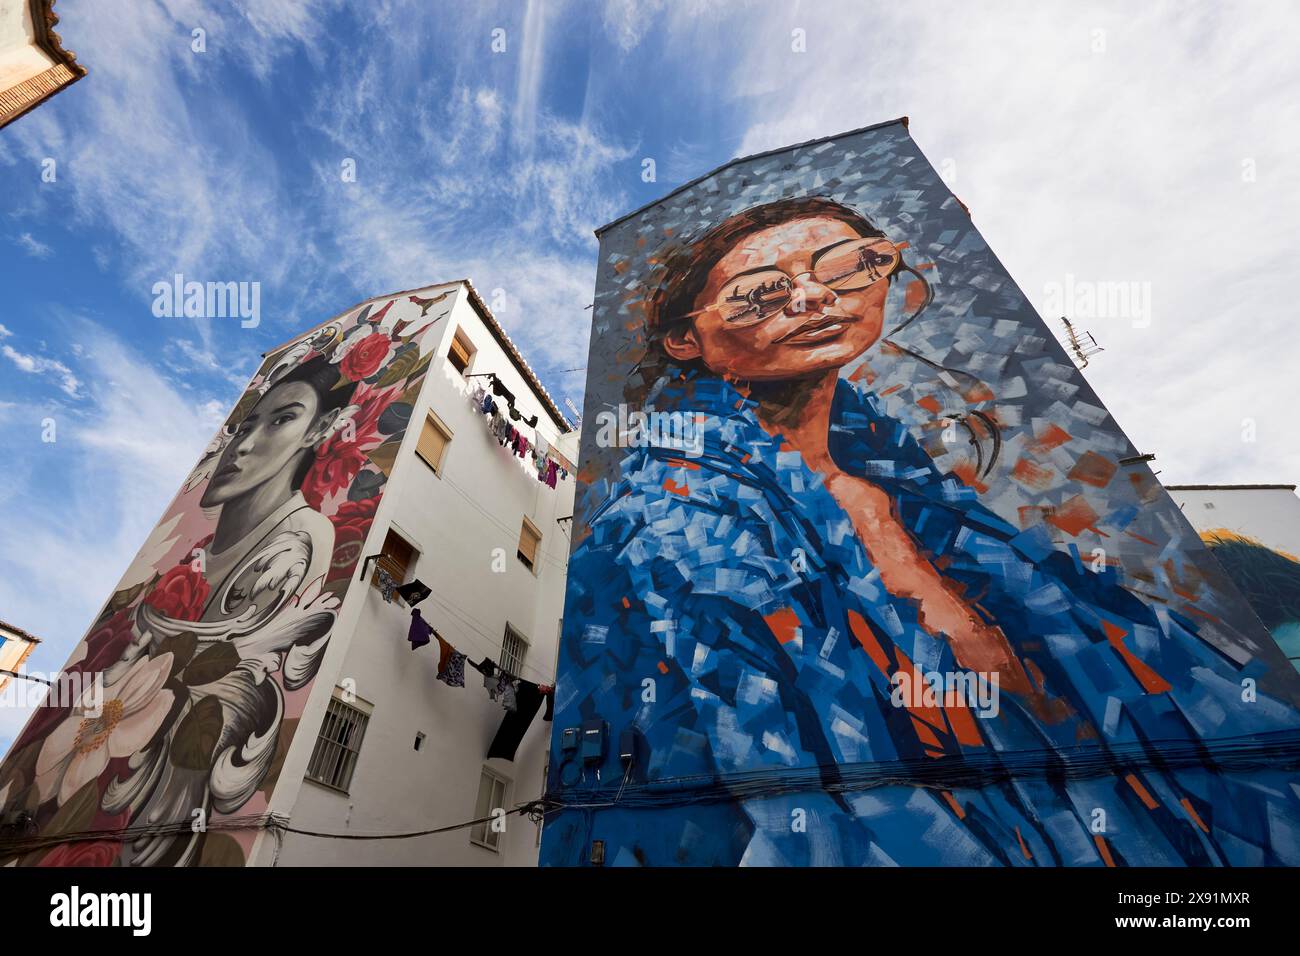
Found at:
<point>1081,343</point>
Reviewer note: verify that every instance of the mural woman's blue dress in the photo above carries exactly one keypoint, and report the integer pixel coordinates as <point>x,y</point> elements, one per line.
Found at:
<point>723,606</point>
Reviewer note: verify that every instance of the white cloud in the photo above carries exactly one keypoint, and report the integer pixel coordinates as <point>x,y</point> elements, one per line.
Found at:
<point>33,246</point>
<point>92,496</point>
<point>36,365</point>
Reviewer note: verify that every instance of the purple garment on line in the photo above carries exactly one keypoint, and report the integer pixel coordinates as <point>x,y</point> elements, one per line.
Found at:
<point>551,469</point>
<point>419,632</point>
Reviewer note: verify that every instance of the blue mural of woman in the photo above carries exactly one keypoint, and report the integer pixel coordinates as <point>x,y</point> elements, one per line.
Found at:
<point>760,606</point>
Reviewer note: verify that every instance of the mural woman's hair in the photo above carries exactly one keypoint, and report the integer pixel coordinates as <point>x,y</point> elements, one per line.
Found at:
<point>324,379</point>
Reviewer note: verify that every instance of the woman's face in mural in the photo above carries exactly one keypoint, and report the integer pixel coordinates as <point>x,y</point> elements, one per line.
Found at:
<point>269,442</point>
<point>792,300</point>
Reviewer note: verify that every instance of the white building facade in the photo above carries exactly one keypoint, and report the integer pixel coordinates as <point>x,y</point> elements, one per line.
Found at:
<point>261,703</point>
<point>461,503</point>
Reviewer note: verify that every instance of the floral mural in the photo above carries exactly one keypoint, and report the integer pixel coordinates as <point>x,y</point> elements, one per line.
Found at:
<point>210,646</point>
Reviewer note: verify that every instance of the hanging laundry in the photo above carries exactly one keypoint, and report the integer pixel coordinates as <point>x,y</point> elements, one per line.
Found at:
<point>532,422</point>
<point>451,664</point>
<point>522,450</point>
<point>386,585</point>
<point>516,724</point>
<point>478,395</point>
<point>420,630</point>
<point>501,391</point>
<point>551,469</point>
<point>508,695</point>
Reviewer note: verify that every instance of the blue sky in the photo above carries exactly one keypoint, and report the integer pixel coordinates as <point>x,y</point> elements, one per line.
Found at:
<point>1090,141</point>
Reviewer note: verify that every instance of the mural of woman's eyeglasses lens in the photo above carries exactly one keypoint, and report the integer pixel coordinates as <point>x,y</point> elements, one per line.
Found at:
<point>847,267</point>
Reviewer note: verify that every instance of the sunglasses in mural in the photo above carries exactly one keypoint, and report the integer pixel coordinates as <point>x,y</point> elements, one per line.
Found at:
<point>845,266</point>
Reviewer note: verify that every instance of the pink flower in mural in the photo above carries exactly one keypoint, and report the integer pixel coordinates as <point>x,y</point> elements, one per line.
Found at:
<point>351,522</point>
<point>180,593</point>
<point>132,710</point>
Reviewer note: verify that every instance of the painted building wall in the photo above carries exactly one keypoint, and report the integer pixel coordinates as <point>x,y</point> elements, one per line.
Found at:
<point>1254,532</point>
<point>211,647</point>
<point>882,475</point>
<point>461,521</point>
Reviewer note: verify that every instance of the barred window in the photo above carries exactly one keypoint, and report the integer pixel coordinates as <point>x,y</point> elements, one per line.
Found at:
<point>514,648</point>
<point>337,745</point>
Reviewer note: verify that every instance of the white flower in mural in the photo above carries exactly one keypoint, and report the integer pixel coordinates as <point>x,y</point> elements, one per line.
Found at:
<point>132,710</point>
<point>152,552</point>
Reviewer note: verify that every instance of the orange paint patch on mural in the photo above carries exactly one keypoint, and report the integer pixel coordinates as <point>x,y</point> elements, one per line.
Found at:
<point>1023,849</point>
<point>952,802</point>
<point>1151,682</point>
<point>965,472</point>
<point>1104,849</point>
<point>784,624</point>
<point>930,404</point>
<point>683,489</point>
<point>1053,436</point>
<point>663,668</point>
<point>1031,475</point>
<point>1073,516</point>
<point>1093,469</point>
<point>1143,793</point>
<point>862,631</point>
<point>1191,812</point>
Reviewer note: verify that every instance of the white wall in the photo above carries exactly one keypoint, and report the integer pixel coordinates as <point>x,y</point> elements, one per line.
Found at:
<point>455,520</point>
<point>1269,515</point>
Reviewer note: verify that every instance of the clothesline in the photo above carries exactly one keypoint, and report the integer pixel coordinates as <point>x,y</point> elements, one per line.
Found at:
<point>388,588</point>
<point>550,465</point>
<point>520,698</point>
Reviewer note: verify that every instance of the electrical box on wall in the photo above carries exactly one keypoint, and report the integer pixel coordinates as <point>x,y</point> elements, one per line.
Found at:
<point>594,735</point>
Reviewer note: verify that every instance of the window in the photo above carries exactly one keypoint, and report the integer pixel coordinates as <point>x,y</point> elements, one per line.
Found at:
<point>434,439</point>
<point>491,796</point>
<point>398,556</point>
<point>513,651</point>
<point>337,745</point>
<point>461,352</point>
<point>529,540</point>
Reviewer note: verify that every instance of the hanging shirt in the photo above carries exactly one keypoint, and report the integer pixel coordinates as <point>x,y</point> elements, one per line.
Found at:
<point>516,724</point>
<point>551,469</point>
<point>418,635</point>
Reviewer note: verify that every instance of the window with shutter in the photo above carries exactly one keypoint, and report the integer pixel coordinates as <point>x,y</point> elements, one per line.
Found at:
<point>434,439</point>
<point>530,540</point>
<point>461,353</point>
<point>397,558</point>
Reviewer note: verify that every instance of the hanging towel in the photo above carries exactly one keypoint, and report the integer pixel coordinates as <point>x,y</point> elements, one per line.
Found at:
<point>516,724</point>
<point>420,630</point>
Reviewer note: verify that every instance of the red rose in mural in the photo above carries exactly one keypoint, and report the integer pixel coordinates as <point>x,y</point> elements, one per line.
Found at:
<point>337,463</point>
<point>351,523</point>
<point>180,594</point>
<point>338,460</point>
<point>93,852</point>
<point>364,358</point>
